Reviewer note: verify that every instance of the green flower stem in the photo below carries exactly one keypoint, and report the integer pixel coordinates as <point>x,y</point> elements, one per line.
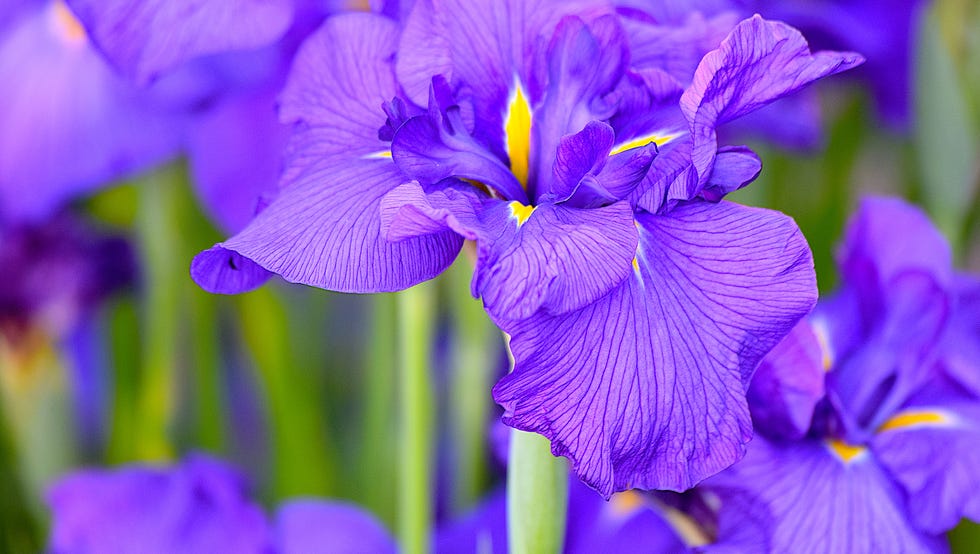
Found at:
<point>19,530</point>
<point>209,400</point>
<point>475,347</point>
<point>416,318</point>
<point>302,461</point>
<point>164,273</point>
<point>537,496</point>
<point>36,410</point>
<point>377,467</point>
<point>945,143</point>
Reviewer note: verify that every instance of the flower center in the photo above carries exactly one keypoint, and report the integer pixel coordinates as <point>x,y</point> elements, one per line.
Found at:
<point>517,130</point>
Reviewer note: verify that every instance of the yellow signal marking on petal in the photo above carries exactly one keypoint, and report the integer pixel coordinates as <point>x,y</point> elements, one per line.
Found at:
<point>68,25</point>
<point>626,503</point>
<point>517,130</point>
<point>655,138</point>
<point>846,452</point>
<point>520,212</point>
<point>823,339</point>
<point>636,265</point>
<point>381,155</point>
<point>914,418</point>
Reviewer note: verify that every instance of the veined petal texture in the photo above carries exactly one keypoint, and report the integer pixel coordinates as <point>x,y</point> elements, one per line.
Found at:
<point>817,502</point>
<point>759,62</point>
<point>324,228</point>
<point>646,387</point>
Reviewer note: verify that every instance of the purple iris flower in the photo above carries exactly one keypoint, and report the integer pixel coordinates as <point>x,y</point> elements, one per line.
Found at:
<point>869,412</point>
<point>56,275</point>
<point>198,506</point>
<point>629,520</point>
<point>57,271</point>
<point>70,124</point>
<point>884,32</point>
<point>639,304</point>
<point>101,91</point>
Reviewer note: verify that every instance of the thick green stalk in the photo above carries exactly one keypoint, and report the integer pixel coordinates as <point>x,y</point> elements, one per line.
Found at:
<point>475,354</point>
<point>537,496</point>
<point>378,451</point>
<point>416,318</point>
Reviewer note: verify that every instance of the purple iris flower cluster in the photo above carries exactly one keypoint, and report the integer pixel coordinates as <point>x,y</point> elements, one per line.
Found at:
<point>867,414</point>
<point>95,92</point>
<point>638,302</point>
<point>585,148</point>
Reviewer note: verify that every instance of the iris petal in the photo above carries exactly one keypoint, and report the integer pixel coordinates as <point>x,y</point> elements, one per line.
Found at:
<point>146,37</point>
<point>644,388</point>
<point>816,503</point>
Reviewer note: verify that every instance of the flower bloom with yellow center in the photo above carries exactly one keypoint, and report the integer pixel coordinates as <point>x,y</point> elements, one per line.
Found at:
<point>868,413</point>
<point>638,302</point>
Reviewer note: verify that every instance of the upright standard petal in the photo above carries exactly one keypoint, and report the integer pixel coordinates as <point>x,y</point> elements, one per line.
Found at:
<point>871,257</point>
<point>324,227</point>
<point>646,387</point>
<point>334,95</point>
<point>144,38</point>
<point>675,47</point>
<point>819,502</point>
<point>483,47</point>
<point>759,62</point>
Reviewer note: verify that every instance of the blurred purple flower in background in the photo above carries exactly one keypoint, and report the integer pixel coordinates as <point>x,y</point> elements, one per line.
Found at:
<point>127,86</point>
<point>56,276</point>
<point>870,409</point>
<point>56,272</point>
<point>628,520</point>
<point>70,124</point>
<point>200,505</point>
<point>638,303</point>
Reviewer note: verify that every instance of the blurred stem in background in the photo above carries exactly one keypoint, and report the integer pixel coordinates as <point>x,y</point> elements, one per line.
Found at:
<point>948,143</point>
<point>537,496</point>
<point>18,529</point>
<point>303,460</point>
<point>945,138</point>
<point>378,452</point>
<point>209,403</point>
<point>475,349</point>
<point>416,315</point>
<point>37,431</point>
<point>163,271</point>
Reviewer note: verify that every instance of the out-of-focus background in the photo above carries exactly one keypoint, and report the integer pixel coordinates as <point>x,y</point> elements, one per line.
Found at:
<point>295,385</point>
